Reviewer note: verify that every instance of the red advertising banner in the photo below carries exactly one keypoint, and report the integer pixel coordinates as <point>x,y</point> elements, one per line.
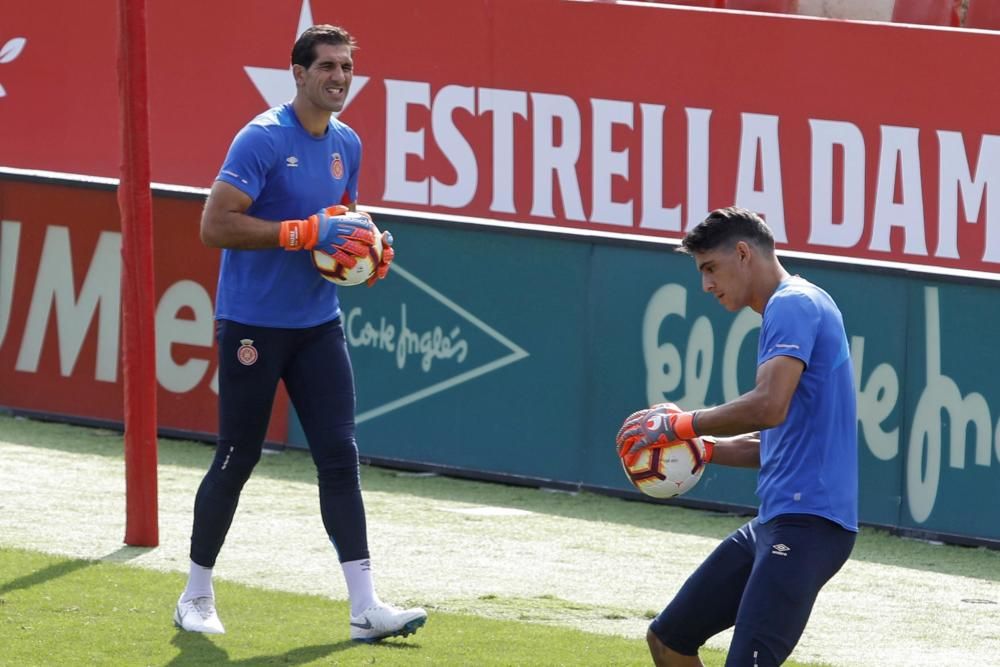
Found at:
<point>869,141</point>
<point>60,296</point>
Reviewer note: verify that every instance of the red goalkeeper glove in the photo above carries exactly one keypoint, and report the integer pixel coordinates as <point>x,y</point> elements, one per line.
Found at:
<point>660,425</point>
<point>331,230</point>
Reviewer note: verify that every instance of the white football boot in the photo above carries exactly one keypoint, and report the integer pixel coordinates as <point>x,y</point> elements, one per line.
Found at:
<point>384,620</point>
<point>198,615</point>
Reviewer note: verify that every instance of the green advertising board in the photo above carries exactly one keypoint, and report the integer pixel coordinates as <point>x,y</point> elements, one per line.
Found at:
<point>949,444</point>
<point>496,353</point>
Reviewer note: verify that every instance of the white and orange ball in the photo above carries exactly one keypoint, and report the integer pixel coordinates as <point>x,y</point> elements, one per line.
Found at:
<point>667,471</point>
<point>340,274</point>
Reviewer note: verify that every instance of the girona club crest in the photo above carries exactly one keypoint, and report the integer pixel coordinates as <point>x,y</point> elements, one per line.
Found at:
<point>247,354</point>
<point>337,167</point>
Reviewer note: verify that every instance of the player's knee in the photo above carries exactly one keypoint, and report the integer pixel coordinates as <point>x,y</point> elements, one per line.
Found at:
<point>655,645</point>
<point>663,656</point>
<point>755,652</point>
<point>338,472</point>
<point>657,649</point>
<point>232,465</point>
<point>338,480</point>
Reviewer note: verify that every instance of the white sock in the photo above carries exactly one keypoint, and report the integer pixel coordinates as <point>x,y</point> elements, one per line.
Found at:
<point>199,583</point>
<point>360,585</point>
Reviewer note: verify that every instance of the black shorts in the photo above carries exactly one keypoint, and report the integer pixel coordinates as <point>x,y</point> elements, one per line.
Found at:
<point>764,579</point>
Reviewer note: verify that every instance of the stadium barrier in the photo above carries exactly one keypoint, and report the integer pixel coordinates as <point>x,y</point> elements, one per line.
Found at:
<point>513,352</point>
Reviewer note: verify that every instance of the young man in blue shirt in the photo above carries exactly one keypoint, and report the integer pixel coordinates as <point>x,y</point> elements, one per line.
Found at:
<point>289,176</point>
<point>798,425</point>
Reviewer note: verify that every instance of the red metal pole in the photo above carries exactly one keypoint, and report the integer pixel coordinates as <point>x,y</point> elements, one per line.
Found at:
<point>138,334</point>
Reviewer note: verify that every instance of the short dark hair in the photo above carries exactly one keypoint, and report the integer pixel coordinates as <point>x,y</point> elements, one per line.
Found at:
<point>304,50</point>
<point>725,225</point>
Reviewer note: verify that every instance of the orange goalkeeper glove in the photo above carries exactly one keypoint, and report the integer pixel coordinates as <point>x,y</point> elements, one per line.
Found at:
<point>658,426</point>
<point>334,230</point>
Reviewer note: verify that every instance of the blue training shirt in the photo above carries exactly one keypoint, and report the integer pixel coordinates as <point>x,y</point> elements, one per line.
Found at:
<point>289,174</point>
<point>809,464</point>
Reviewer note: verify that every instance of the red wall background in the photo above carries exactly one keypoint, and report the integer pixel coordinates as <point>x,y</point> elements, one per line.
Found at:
<point>884,81</point>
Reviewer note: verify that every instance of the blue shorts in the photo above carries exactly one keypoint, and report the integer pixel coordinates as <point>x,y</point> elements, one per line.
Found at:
<point>763,579</point>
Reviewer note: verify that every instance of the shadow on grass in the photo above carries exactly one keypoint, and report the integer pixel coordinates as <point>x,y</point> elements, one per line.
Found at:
<point>66,567</point>
<point>198,649</point>
<point>44,575</point>
<point>873,545</point>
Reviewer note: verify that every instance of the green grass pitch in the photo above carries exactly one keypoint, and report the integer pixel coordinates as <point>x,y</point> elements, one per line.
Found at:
<point>510,575</point>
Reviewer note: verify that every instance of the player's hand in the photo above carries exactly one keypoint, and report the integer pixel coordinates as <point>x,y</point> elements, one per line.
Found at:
<point>658,426</point>
<point>627,434</point>
<point>303,234</point>
<point>345,239</point>
<point>388,254</point>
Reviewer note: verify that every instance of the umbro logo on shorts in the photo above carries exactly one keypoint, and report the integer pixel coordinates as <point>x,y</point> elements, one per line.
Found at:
<point>780,549</point>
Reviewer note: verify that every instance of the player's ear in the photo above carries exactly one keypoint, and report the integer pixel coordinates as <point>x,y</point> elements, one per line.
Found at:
<point>299,72</point>
<point>742,251</point>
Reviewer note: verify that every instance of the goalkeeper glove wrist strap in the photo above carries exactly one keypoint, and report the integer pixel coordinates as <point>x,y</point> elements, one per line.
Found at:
<point>684,426</point>
<point>298,234</point>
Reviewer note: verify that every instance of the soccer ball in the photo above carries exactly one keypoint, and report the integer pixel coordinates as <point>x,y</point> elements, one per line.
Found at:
<point>339,274</point>
<point>665,472</point>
